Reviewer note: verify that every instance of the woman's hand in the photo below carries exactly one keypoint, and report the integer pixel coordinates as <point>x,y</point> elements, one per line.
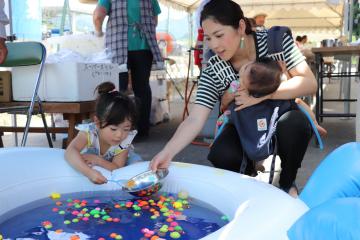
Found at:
<point>161,160</point>
<point>96,177</point>
<point>244,100</point>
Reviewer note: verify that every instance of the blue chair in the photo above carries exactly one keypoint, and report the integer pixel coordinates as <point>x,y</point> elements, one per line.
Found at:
<point>27,54</point>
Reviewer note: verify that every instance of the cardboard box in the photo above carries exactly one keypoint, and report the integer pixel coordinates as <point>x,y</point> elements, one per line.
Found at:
<point>63,82</point>
<point>5,86</point>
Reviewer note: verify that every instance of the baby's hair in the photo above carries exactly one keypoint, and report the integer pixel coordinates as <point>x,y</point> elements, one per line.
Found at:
<point>264,77</point>
<point>113,107</point>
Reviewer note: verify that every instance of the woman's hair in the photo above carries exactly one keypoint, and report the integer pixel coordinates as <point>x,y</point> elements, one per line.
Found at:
<point>298,38</point>
<point>113,107</point>
<point>225,12</point>
<point>264,77</point>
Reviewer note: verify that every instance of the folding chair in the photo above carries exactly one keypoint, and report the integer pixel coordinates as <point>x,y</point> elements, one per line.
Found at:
<point>27,54</point>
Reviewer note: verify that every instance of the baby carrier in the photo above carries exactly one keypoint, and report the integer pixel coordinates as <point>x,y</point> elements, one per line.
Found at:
<point>256,125</point>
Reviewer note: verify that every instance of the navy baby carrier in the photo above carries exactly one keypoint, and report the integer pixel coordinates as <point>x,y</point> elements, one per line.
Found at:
<point>256,125</point>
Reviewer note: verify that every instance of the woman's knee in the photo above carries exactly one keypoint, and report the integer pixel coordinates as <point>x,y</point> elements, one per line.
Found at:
<point>294,125</point>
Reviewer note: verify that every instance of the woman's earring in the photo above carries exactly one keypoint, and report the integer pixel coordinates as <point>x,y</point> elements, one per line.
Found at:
<point>242,42</point>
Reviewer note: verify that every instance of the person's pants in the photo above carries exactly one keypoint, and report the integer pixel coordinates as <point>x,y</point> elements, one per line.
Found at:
<point>139,63</point>
<point>293,136</point>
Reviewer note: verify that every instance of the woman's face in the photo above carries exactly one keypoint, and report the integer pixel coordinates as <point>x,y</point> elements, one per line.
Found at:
<point>222,39</point>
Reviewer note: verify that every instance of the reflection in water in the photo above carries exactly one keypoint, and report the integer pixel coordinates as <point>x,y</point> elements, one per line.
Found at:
<point>115,215</point>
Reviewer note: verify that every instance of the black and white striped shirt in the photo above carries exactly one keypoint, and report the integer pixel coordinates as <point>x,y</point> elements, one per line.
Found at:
<point>218,75</point>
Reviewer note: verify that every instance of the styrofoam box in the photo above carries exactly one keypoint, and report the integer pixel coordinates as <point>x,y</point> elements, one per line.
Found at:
<point>63,82</point>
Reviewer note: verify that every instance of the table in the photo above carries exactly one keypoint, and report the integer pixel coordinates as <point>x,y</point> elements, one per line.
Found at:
<point>74,112</point>
<point>344,51</point>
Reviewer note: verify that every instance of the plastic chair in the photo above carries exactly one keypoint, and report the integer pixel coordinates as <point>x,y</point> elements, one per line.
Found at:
<point>27,54</point>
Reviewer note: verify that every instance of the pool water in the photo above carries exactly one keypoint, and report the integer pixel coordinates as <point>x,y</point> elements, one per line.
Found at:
<point>110,215</point>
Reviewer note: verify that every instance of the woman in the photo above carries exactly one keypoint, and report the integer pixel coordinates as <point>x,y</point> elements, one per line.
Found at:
<point>229,35</point>
<point>131,37</point>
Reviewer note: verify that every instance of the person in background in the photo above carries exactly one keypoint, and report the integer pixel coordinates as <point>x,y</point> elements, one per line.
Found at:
<point>304,39</point>
<point>3,21</point>
<point>131,38</point>
<point>298,42</point>
<point>202,52</point>
<point>252,24</point>
<point>229,35</point>
<point>106,141</point>
<point>260,21</point>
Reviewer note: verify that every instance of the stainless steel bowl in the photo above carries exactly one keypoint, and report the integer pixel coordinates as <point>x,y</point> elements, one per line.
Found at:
<point>327,42</point>
<point>146,183</point>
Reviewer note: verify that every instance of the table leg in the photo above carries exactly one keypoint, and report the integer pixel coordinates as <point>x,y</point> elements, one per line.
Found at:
<point>317,75</point>
<point>358,115</point>
<point>71,132</point>
<point>1,141</point>
<point>74,119</point>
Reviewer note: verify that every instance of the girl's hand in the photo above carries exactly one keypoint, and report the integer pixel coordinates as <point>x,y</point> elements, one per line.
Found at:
<point>96,177</point>
<point>244,100</point>
<point>161,160</point>
<point>91,159</point>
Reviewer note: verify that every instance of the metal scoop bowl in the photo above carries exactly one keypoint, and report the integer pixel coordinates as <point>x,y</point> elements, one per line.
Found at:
<point>146,183</point>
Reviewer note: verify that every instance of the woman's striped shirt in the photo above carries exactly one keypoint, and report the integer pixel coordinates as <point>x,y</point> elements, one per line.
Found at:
<point>218,75</point>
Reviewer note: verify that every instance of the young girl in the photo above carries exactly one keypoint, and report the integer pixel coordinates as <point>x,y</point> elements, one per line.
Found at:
<point>105,141</point>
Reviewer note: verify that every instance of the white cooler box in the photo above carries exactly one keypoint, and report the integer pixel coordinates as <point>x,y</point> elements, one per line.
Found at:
<point>63,82</point>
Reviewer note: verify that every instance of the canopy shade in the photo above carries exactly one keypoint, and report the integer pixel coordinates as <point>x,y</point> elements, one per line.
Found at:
<point>299,15</point>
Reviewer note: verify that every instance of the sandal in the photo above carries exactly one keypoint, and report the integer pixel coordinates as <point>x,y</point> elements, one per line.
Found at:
<point>292,190</point>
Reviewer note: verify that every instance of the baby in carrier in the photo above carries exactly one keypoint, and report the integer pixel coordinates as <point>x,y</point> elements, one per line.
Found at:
<point>256,125</point>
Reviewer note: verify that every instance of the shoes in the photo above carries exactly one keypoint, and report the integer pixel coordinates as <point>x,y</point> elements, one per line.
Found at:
<point>292,190</point>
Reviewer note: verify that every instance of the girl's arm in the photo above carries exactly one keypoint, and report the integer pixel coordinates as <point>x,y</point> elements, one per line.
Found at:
<point>183,136</point>
<point>118,161</point>
<point>73,156</point>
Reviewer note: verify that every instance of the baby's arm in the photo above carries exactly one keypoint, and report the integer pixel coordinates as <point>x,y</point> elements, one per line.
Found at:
<point>321,130</point>
<point>229,95</point>
<point>118,161</point>
<point>226,99</point>
<point>73,156</point>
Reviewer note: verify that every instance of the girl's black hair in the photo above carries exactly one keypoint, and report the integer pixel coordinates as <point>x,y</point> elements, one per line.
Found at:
<point>264,77</point>
<point>225,12</point>
<point>113,107</point>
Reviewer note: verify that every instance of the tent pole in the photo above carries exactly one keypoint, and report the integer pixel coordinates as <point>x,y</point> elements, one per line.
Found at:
<point>351,19</point>
<point>191,40</point>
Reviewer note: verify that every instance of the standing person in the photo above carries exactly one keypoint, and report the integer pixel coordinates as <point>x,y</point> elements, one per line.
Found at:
<point>229,35</point>
<point>131,38</point>
<point>3,21</point>
<point>260,21</point>
<point>106,141</point>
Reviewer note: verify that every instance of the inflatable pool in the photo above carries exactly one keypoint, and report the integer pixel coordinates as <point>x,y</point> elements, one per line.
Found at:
<point>256,210</point>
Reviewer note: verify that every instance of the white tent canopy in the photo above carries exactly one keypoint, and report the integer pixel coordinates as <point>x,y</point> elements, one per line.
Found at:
<point>308,16</point>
